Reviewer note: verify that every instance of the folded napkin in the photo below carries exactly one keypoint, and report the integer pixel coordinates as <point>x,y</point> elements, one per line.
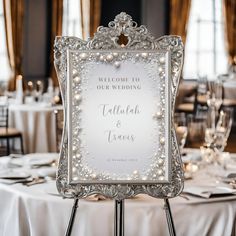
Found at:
<point>48,172</point>
<point>40,159</point>
<point>10,162</point>
<point>209,191</point>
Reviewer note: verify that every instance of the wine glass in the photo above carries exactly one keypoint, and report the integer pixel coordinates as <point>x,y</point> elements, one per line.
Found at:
<point>216,139</point>
<point>180,121</point>
<point>223,129</point>
<point>214,99</point>
<point>214,93</point>
<point>196,128</point>
<point>210,130</point>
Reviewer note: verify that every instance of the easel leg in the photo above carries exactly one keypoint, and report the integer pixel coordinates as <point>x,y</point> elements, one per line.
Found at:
<point>72,217</point>
<point>119,218</point>
<point>169,218</point>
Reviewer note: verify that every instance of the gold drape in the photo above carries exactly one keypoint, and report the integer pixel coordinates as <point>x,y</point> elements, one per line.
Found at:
<point>95,14</point>
<point>179,17</point>
<point>90,20</point>
<point>56,30</point>
<point>230,26</point>
<point>13,17</point>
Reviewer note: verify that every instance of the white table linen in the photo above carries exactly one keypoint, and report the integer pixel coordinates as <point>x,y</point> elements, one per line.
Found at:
<point>37,211</point>
<point>37,124</point>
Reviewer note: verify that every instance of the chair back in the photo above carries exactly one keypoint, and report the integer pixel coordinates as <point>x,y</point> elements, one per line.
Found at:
<point>4,116</point>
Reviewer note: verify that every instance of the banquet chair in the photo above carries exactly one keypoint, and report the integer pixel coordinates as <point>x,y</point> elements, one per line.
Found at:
<point>7,133</point>
<point>59,127</point>
<point>189,104</point>
<point>194,100</point>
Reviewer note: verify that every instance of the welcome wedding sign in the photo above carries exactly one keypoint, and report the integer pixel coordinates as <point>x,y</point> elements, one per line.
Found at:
<point>119,138</point>
<point>119,122</point>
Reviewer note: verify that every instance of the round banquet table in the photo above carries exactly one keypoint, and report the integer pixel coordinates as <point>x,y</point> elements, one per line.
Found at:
<point>38,210</point>
<point>37,124</point>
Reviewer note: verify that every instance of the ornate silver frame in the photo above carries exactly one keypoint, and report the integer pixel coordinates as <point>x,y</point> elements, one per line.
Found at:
<point>107,38</point>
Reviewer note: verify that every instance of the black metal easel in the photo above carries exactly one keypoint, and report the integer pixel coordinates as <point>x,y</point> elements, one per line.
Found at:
<point>169,217</point>
<point>119,218</point>
<point>72,217</point>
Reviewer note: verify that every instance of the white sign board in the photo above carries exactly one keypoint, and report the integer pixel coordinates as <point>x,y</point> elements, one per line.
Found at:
<point>119,116</point>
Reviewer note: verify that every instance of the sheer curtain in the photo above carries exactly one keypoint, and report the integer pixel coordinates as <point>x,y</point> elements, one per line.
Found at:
<point>13,17</point>
<point>81,17</point>
<point>73,24</point>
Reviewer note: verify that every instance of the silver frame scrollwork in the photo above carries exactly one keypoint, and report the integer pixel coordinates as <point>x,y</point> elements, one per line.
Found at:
<point>106,38</point>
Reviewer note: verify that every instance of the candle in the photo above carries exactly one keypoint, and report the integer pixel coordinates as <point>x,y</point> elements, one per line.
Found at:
<point>30,86</point>
<point>38,85</point>
<point>19,89</point>
<point>19,82</point>
<point>50,87</point>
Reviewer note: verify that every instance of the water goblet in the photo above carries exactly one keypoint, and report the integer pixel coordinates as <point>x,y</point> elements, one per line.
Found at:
<point>214,99</point>
<point>209,130</point>
<point>180,122</point>
<point>214,93</point>
<point>223,129</point>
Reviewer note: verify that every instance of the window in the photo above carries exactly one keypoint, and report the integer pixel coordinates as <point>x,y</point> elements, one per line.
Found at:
<point>205,51</point>
<point>72,18</point>
<point>5,68</point>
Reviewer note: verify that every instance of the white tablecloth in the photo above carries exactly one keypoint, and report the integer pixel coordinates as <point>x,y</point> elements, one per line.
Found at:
<point>37,124</point>
<point>36,211</point>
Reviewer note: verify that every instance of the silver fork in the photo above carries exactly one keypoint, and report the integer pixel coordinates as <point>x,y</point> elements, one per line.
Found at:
<point>36,180</point>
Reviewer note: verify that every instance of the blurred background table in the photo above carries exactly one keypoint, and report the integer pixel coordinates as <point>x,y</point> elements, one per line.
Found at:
<point>38,125</point>
<point>192,100</point>
<point>188,94</point>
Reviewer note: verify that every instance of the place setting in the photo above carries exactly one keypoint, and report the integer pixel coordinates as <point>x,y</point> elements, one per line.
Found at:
<point>29,169</point>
